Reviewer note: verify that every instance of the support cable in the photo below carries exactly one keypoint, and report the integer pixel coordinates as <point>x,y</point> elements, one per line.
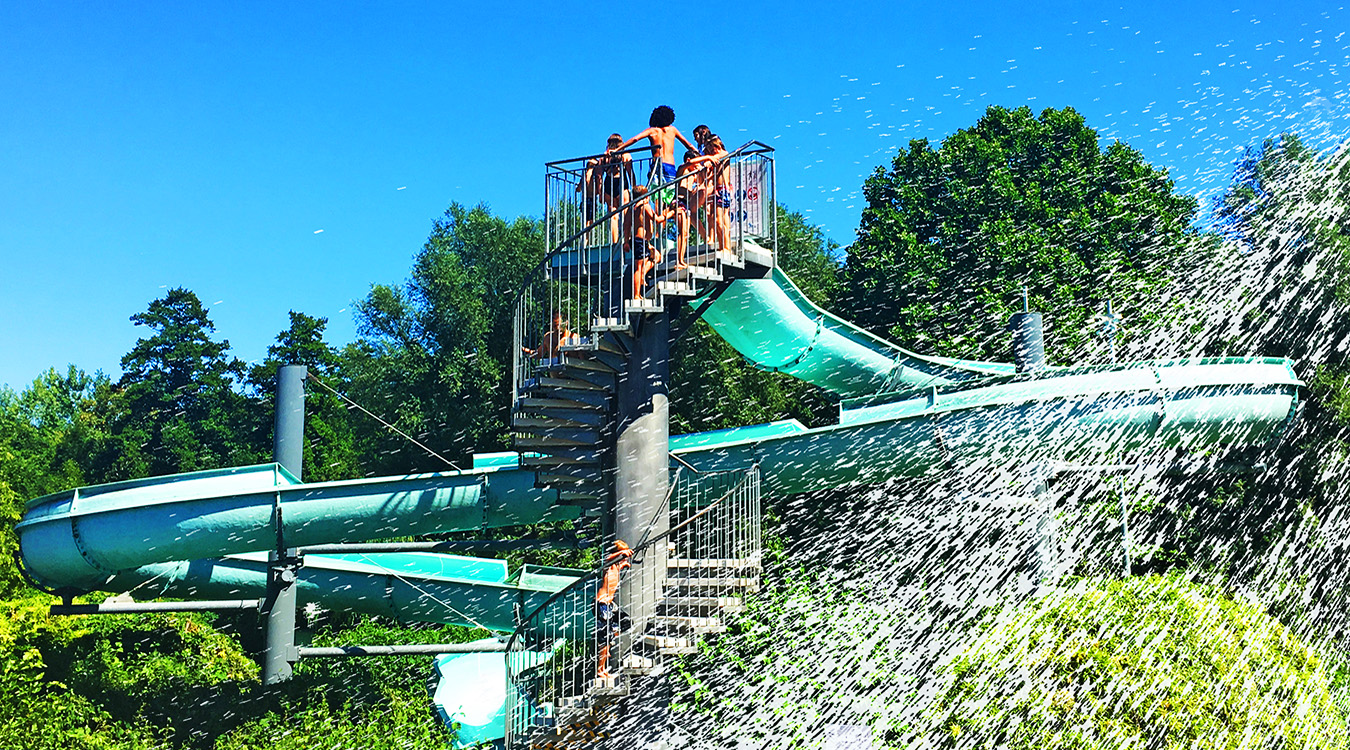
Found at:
<point>371,414</point>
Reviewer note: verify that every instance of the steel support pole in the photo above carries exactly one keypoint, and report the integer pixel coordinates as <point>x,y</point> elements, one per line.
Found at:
<point>642,466</point>
<point>1045,556</point>
<point>279,602</point>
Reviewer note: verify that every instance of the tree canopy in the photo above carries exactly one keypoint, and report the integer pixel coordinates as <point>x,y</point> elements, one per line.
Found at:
<point>950,235</point>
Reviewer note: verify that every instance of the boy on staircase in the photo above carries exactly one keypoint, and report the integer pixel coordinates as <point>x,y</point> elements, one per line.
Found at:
<point>610,621</point>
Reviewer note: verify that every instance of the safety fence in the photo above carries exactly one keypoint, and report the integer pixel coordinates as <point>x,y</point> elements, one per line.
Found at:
<point>622,237</point>
<point>565,657</point>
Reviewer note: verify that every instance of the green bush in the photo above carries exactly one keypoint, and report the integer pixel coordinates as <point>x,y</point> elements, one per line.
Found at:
<point>1152,662</point>
<point>41,713</point>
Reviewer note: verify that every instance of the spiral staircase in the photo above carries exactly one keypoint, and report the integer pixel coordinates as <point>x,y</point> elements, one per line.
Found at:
<point>564,424</point>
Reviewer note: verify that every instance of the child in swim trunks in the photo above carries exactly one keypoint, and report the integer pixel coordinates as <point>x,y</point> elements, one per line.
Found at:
<point>661,133</point>
<point>640,228</point>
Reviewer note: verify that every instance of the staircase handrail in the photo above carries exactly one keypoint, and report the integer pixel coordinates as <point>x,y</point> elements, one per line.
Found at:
<point>637,552</point>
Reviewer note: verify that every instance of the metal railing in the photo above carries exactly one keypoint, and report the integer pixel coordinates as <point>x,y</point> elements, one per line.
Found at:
<point>553,659</point>
<point>610,215</point>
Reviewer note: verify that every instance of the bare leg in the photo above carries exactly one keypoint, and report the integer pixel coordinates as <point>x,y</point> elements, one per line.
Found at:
<point>603,670</point>
<point>681,237</point>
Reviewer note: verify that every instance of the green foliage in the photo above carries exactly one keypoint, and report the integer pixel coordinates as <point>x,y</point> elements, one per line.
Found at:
<point>951,235</point>
<point>180,410</point>
<point>1143,662</point>
<point>135,682</point>
<point>331,450</point>
<point>435,352</point>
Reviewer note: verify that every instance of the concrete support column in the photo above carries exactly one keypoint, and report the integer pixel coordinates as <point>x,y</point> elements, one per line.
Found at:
<point>642,466</point>
<point>279,602</point>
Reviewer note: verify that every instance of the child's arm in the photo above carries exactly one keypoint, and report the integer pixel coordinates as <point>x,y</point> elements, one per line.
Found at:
<point>644,134</point>
<point>685,141</point>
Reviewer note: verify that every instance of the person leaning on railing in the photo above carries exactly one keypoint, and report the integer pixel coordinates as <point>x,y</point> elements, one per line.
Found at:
<point>717,196</point>
<point>610,621</point>
<point>557,337</point>
<point>610,177</point>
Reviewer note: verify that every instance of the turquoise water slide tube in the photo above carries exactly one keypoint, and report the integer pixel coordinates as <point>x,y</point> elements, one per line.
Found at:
<point>773,325</point>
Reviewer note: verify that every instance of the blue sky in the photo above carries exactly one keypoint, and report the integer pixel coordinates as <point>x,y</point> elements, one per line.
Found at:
<point>273,157</point>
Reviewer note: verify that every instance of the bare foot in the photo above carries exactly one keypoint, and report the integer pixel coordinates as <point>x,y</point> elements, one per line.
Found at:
<point>681,266</point>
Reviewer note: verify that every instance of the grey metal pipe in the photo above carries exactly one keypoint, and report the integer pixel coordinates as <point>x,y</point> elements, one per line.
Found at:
<point>457,545</point>
<point>1028,341</point>
<point>308,652</point>
<point>123,608</point>
<point>279,603</point>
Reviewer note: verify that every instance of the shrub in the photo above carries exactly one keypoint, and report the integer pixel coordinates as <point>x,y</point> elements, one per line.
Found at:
<point>1152,662</point>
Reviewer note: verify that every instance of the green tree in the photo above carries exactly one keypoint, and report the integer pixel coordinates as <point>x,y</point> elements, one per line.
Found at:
<point>951,235</point>
<point>331,450</point>
<point>435,352</point>
<point>180,409</point>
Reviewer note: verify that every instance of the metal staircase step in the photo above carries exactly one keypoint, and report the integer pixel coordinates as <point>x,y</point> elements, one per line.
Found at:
<point>694,625</point>
<point>573,384</point>
<point>566,404</point>
<point>682,605</point>
<point>609,324</point>
<point>642,306</point>
<point>671,644</point>
<point>612,343</point>
<point>554,461</point>
<point>636,664</point>
<point>548,443</point>
<point>548,423</point>
<point>696,582</point>
<point>589,418</point>
<point>712,563</point>
<point>676,288</point>
<point>575,478</point>
<point>689,274</point>
<point>582,396</point>
<point>572,435</point>
<point>754,253</point>
<point>612,685</point>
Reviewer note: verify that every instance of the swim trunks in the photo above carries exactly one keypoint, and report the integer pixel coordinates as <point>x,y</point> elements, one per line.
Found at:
<point>723,197</point>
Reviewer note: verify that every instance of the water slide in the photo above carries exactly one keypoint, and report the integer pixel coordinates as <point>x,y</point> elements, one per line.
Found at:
<point>205,534</point>
<point>909,415</point>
